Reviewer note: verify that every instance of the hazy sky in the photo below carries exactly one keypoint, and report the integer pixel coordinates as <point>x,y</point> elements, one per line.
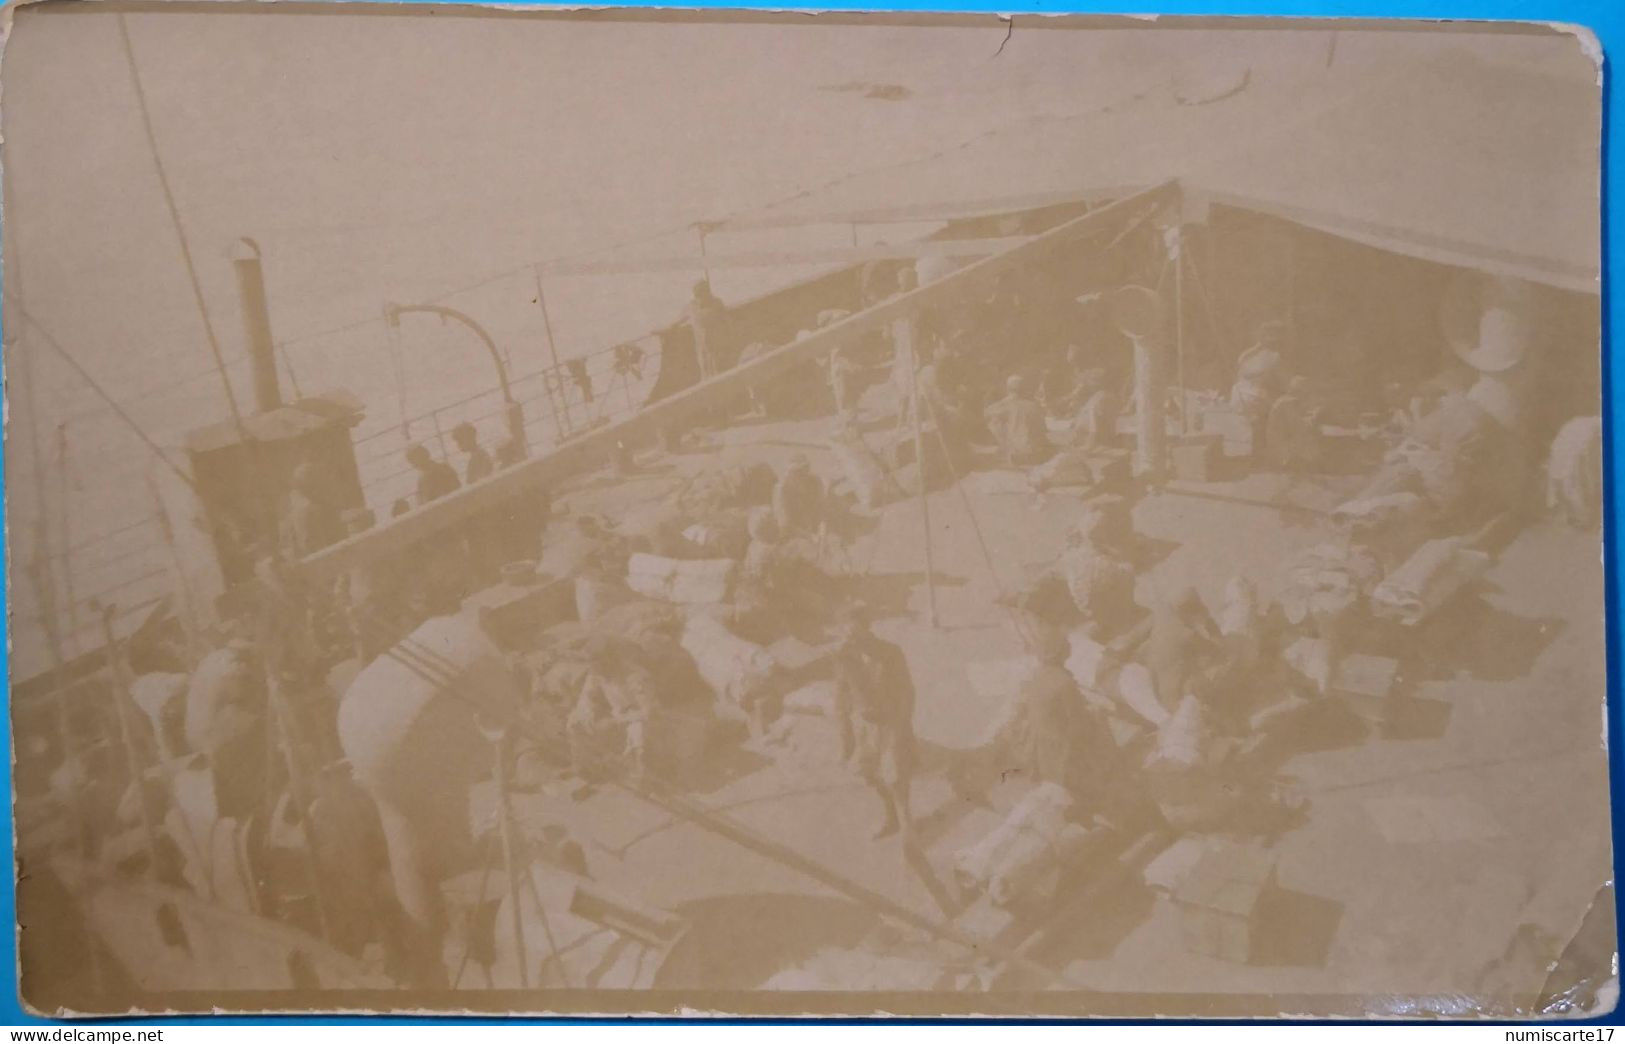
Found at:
<point>401,158</point>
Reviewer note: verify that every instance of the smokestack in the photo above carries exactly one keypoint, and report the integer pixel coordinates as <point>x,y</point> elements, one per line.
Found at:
<point>245,258</point>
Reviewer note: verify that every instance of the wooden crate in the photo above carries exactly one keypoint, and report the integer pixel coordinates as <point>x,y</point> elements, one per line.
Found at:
<point>1195,458</point>
<point>1218,901</point>
<point>513,614</point>
<point>1366,683</point>
<point>1235,434</point>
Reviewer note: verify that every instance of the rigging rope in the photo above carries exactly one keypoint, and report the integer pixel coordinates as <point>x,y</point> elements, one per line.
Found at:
<point>101,392</point>
<point>175,219</point>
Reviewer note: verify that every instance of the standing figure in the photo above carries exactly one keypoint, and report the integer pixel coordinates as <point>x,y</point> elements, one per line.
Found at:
<point>1258,376</point>
<point>479,463</point>
<point>708,317</point>
<point>1292,432</point>
<point>942,403</point>
<point>1094,425</point>
<point>368,598</point>
<point>512,449</point>
<point>907,334</point>
<point>759,592</point>
<point>874,710</point>
<point>1049,734</point>
<point>750,353</point>
<point>312,522</point>
<point>161,697</point>
<point>1036,737</point>
<point>798,499</point>
<point>843,384</point>
<point>435,477</point>
<point>227,719</point>
<point>937,394</point>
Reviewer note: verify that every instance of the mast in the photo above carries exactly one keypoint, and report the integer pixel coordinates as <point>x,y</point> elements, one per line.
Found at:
<point>905,328</point>
<point>555,381</point>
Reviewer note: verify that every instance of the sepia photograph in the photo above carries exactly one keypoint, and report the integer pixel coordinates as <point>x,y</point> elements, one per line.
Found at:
<point>731,513</point>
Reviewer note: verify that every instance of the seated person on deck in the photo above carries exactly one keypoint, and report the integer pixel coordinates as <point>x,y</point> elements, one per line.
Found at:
<point>1017,422</point>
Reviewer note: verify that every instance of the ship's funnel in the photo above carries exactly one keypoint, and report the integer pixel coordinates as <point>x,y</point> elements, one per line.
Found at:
<point>245,258</point>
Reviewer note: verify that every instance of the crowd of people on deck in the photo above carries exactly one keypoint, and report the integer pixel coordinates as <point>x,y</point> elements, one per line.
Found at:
<point>1138,706</point>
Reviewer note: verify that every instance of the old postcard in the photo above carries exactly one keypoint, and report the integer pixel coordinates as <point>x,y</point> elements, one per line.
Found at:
<point>772,514</point>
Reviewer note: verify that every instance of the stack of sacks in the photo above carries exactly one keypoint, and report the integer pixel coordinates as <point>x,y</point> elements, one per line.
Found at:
<point>1032,841</point>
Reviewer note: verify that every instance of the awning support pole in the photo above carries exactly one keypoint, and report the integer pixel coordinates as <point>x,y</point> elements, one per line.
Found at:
<point>905,329</point>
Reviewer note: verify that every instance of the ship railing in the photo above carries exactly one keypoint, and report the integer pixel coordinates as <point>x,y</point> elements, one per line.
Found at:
<point>555,407</point>
<point>556,403</point>
<point>690,404</point>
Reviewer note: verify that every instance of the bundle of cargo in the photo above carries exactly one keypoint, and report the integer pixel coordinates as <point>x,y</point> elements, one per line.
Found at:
<point>875,474</point>
<point>807,738</point>
<point>595,595</point>
<point>1364,680</point>
<point>743,675</point>
<point>1183,768</point>
<point>1329,579</point>
<point>721,534</point>
<point>1427,580</point>
<point>1023,856</point>
<point>637,619</point>
<point>726,487</point>
<point>641,632</point>
<point>690,581</point>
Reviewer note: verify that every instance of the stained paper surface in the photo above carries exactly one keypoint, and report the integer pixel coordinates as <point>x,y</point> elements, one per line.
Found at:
<point>698,512</point>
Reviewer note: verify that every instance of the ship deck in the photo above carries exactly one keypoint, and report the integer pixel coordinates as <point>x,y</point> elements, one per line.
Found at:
<point>1431,841</point>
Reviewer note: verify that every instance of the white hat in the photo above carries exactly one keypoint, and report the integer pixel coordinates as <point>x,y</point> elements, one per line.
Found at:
<point>1489,321</point>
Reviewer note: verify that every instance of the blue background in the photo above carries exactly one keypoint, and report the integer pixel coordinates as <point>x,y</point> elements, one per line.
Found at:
<point>1605,18</point>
